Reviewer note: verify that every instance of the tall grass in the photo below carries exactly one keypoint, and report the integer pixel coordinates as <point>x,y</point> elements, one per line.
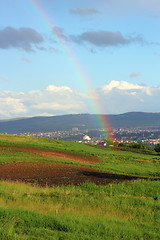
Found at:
<point>117,211</point>
<point>128,210</point>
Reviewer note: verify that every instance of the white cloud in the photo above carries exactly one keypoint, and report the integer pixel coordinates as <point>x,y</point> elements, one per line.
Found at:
<point>122,85</point>
<point>53,100</point>
<point>121,96</point>
<point>11,107</point>
<point>115,97</point>
<point>54,88</point>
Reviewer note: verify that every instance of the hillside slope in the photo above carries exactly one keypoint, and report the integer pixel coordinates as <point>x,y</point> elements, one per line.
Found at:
<point>81,192</point>
<point>80,121</point>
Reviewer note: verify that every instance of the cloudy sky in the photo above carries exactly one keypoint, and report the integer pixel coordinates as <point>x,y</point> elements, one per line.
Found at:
<point>85,56</point>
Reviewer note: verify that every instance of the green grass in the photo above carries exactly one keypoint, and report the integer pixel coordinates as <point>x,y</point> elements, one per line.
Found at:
<point>84,212</point>
<point>128,210</point>
<point>43,143</point>
<point>8,155</point>
<point>119,162</point>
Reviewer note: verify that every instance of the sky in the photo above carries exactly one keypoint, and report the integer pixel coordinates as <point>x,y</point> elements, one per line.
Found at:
<point>86,56</point>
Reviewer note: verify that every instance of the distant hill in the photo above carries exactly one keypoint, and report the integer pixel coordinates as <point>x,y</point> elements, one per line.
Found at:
<point>80,121</point>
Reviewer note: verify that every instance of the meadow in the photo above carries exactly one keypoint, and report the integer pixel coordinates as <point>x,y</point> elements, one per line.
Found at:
<point>76,191</point>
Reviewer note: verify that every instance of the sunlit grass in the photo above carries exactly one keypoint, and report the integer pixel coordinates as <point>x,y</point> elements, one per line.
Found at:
<point>121,162</point>
<point>120,210</point>
<point>128,210</point>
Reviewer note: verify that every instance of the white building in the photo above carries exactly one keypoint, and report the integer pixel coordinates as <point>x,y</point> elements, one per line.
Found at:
<point>86,138</point>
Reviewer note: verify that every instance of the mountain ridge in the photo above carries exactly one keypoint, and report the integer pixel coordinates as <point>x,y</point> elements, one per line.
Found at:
<point>81,121</point>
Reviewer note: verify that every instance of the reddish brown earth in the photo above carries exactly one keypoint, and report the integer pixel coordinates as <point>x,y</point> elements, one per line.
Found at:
<point>66,156</point>
<point>140,160</point>
<point>49,173</point>
<point>44,173</point>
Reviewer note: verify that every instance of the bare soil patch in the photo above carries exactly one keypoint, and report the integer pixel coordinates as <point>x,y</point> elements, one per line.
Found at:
<point>50,173</point>
<point>140,160</point>
<point>66,156</point>
<point>44,173</point>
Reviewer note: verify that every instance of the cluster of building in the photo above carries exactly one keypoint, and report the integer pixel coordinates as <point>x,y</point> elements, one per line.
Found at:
<point>81,136</point>
<point>147,136</point>
<point>96,136</point>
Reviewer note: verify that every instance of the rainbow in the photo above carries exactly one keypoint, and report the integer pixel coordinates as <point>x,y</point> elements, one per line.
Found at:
<point>81,75</point>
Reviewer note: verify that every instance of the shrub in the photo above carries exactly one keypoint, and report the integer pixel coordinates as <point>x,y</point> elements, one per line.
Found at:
<point>157,148</point>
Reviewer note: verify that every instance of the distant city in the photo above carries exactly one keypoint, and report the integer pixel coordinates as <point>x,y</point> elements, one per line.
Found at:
<point>136,127</point>
<point>146,136</point>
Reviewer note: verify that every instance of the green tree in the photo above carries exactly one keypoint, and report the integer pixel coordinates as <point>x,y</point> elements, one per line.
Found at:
<point>136,145</point>
<point>108,141</point>
<point>157,148</point>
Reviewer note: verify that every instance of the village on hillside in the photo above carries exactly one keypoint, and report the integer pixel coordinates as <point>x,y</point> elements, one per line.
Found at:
<point>150,136</point>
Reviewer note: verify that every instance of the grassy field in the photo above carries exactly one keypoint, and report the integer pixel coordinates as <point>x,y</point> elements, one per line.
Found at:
<point>128,209</point>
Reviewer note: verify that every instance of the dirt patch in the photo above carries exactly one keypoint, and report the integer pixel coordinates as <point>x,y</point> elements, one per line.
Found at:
<point>66,156</point>
<point>140,160</point>
<point>50,173</point>
<point>143,197</point>
<point>44,173</point>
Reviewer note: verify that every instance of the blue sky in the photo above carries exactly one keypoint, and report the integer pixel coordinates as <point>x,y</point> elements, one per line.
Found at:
<point>67,56</point>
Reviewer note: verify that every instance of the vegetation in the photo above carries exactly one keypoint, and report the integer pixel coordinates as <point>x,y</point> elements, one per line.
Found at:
<point>113,161</point>
<point>118,211</point>
<point>157,148</point>
<point>125,210</point>
<point>137,147</point>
